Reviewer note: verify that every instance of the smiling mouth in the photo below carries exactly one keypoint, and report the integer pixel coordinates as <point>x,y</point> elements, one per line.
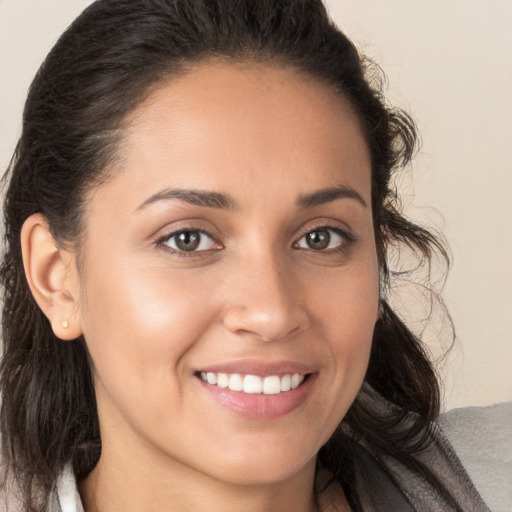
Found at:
<point>254,384</point>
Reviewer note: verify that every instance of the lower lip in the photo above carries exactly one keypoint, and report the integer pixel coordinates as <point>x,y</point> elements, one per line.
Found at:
<point>260,406</point>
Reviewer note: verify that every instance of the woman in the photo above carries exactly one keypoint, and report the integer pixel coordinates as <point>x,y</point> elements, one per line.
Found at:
<point>197,221</point>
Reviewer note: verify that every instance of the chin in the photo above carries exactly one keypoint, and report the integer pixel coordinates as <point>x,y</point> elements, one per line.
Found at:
<point>256,471</point>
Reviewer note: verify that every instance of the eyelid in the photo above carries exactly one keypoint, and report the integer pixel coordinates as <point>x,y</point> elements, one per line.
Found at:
<point>344,230</point>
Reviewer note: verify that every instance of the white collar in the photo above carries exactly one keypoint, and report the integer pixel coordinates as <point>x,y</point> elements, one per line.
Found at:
<point>67,491</point>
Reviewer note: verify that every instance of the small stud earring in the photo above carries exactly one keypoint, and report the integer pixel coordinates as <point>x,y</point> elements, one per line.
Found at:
<point>65,324</point>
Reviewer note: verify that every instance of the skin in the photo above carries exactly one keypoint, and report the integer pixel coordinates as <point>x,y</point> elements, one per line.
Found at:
<point>152,317</point>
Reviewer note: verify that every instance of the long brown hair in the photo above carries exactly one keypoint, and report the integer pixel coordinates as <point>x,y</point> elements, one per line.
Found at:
<point>101,68</point>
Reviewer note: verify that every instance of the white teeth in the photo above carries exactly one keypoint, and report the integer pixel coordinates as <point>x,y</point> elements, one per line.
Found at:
<point>271,385</point>
<point>222,380</point>
<point>296,380</point>
<point>253,384</point>
<point>236,382</point>
<point>286,383</point>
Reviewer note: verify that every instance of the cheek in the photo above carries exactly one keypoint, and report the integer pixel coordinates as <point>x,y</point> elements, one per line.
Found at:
<point>141,323</point>
<point>346,300</point>
<point>346,312</point>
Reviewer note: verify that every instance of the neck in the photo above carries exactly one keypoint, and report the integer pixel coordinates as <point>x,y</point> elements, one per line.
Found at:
<point>131,482</point>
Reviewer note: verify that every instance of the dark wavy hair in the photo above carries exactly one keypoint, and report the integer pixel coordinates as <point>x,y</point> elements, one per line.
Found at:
<point>104,66</point>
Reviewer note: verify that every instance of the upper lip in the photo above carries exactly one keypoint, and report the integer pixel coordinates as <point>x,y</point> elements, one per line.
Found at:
<point>260,368</point>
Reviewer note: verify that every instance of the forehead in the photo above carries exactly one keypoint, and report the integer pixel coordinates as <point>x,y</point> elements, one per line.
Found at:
<point>224,124</point>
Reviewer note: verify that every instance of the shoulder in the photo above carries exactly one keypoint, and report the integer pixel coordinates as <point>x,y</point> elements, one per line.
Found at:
<point>419,472</point>
<point>481,437</point>
<point>64,497</point>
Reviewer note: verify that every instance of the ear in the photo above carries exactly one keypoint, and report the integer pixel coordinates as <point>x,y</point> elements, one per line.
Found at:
<point>52,277</point>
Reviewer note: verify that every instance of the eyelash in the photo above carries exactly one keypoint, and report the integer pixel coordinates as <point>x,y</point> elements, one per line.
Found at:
<point>347,241</point>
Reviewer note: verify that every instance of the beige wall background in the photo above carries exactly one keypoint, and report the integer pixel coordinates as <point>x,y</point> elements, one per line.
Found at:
<point>448,63</point>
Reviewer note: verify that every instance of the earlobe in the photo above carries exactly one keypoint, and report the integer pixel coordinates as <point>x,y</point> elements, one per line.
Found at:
<point>51,277</point>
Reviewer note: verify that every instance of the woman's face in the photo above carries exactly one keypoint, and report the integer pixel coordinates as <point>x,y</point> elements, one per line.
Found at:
<point>234,244</point>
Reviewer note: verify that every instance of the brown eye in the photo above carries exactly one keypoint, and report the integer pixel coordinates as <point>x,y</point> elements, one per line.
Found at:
<point>321,239</point>
<point>318,240</point>
<point>190,241</point>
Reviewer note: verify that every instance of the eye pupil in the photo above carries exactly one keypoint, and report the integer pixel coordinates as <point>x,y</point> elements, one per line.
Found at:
<point>188,240</point>
<point>318,240</point>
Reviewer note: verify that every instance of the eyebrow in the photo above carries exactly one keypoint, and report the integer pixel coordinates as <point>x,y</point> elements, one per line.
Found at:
<point>327,195</point>
<point>225,202</point>
<point>195,197</point>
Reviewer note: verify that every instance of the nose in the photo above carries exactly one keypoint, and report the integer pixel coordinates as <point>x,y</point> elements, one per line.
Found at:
<point>265,301</point>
